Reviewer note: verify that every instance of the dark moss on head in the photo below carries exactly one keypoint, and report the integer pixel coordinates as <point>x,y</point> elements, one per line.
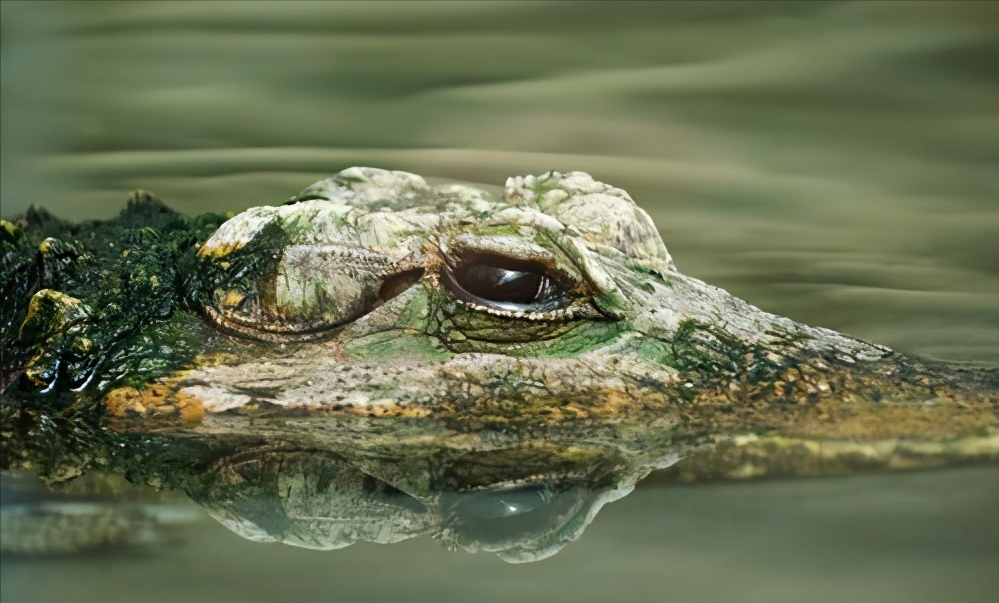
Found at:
<point>129,275</point>
<point>259,258</point>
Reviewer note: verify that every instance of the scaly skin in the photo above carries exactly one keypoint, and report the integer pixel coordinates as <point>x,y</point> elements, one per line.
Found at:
<point>339,326</point>
<point>342,302</point>
<point>318,373</point>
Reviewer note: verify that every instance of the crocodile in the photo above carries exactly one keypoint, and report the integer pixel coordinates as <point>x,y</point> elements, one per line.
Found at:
<point>424,340</point>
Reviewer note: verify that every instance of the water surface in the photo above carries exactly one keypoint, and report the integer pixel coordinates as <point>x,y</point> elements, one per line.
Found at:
<point>831,162</point>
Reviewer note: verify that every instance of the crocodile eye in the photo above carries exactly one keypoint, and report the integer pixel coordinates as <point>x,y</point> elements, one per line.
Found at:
<point>501,284</point>
<point>506,283</point>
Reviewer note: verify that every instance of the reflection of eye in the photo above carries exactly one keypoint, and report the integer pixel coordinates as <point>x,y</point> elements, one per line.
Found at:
<point>506,516</point>
<point>506,283</point>
<point>498,505</point>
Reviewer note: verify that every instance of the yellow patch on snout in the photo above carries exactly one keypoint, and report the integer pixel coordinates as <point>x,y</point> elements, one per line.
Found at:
<point>157,400</point>
<point>124,401</point>
<point>393,410</point>
<point>162,399</point>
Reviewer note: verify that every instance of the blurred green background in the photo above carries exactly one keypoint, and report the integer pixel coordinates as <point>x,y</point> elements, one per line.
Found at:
<point>832,162</point>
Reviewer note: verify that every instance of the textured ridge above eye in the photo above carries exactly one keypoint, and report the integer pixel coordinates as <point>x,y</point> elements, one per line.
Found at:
<point>394,212</point>
<point>372,189</point>
<point>396,216</point>
<point>606,215</point>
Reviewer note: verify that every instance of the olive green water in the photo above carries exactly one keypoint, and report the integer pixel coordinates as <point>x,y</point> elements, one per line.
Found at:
<point>834,163</point>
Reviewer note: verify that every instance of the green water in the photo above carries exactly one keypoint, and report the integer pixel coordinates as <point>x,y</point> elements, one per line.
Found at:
<point>902,538</point>
<point>831,162</point>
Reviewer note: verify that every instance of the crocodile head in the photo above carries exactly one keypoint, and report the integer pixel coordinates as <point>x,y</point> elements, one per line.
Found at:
<point>379,358</point>
<point>374,294</point>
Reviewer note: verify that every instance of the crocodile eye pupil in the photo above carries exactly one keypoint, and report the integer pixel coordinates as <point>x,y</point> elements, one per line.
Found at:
<point>505,284</point>
<point>500,284</point>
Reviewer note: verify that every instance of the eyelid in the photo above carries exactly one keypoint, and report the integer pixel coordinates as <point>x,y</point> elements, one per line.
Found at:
<point>500,245</point>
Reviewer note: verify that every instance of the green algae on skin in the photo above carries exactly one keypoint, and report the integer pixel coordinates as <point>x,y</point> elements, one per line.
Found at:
<point>352,300</point>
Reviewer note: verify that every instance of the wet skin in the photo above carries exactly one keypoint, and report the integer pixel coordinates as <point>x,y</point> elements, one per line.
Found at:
<point>377,315</point>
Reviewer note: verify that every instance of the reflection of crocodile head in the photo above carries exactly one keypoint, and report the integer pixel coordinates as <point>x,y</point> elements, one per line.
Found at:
<point>377,298</point>
<point>523,504</point>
